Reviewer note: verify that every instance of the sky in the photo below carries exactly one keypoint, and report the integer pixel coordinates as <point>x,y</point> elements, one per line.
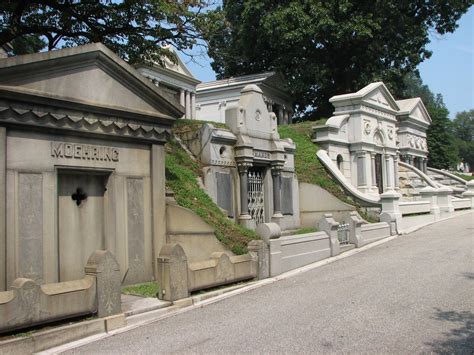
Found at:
<point>449,71</point>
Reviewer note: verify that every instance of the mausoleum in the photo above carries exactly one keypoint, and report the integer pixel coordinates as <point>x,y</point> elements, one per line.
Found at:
<point>248,170</point>
<point>368,133</point>
<point>82,137</point>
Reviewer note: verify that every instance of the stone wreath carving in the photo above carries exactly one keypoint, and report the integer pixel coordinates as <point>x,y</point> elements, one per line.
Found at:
<point>390,133</point>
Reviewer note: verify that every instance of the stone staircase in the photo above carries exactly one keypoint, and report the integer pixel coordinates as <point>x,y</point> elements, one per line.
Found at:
<point>446,180</point>
<point>410,183</point>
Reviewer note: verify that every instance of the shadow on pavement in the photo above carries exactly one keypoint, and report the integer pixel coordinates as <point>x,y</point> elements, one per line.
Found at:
<point>459,340</point>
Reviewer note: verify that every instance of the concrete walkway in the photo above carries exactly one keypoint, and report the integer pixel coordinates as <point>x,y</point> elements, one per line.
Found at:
<point>414,294</point>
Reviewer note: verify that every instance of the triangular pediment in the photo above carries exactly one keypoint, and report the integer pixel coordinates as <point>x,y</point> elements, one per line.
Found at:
<point>380,96</point>
<point>415,109</point>
<point>90,75</point>
<point>374,94</point>
<point>179,66</point>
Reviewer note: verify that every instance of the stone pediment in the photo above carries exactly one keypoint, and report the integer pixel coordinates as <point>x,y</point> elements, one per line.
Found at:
<point>90,75</point>
<point>374,94</point>
<point>415,109</point>
<point>251,117</point>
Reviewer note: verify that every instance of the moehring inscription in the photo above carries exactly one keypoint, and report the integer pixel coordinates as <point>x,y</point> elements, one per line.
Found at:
<point>84,152</point>
<point>261,154</point>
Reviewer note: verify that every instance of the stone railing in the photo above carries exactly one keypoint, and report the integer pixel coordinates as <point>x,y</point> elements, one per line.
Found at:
<point>361,233</point>
<point>177,278</point>
<point>414,207</point>
<point>28,303</point>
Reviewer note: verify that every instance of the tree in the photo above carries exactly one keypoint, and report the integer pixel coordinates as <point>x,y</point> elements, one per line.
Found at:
<point>327,47</point>
<point>442,147</point>
<point>463,128</point>
<point>136,30</point>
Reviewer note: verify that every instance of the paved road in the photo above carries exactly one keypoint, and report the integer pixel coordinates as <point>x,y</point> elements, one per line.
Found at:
<point>414,294</point>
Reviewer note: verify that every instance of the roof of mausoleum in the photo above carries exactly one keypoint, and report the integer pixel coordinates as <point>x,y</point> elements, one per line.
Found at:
<point>374,93</point>
<point>88,76</point>
<point>415,108</point>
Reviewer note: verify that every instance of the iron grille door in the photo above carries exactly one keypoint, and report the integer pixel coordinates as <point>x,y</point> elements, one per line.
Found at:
<point>256,197</point>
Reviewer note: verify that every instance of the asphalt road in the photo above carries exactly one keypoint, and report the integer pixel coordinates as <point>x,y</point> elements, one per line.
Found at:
<point>414,294</point>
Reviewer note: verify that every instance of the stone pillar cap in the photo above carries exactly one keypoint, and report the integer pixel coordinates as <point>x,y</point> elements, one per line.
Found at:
<point>390,194</point>
<point>470,183</point>
<point>427,189</point>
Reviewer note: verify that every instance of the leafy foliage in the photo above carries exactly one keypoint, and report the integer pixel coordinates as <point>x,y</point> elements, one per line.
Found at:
<point>463,129</point>
<point>181,177</point>
<point>136,30</point>
<point>443,152</point>
<point>328,47</point>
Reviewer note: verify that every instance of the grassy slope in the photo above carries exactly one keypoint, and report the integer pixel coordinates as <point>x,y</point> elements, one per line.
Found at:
<point>181,177</point>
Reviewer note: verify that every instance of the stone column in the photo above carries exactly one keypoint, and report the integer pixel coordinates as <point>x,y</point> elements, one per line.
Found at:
<point>395,172</point>
<point>374,175</point>
<point>244,207</point>
<point>280,115</point>
<point>444,199</point>
<point>361,176</point>
<point>181,98</point>
<point>193,106</point>
<point>285,116</point>
<point>425,165</point>
<point>188,105</point>
<point>388,172</point>
<point>409,160</point>
<point>3,261</point>
<point>158,200</point>
<point>276,178</point>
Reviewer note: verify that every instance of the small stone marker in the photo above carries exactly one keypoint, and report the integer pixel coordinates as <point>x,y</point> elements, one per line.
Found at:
<point>104,267</point>
<point>172,273</point>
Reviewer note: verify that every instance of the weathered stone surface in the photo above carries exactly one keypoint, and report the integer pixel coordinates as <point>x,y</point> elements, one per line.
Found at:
<point>136,237</point>
<point>329,225</point>
<point>225,192</point>
<point>268,231</point>
<point>30,225</point>
<point>172,273</point>
<point>259,250</point>
<point>104,267</point>
<point>286,195</point>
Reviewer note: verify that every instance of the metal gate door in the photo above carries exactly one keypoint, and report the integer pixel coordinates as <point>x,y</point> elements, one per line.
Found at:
<point>256,197</point>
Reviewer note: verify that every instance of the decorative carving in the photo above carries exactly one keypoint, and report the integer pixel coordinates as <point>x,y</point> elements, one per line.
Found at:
<point>104,126</point>
<point>367,128</point>
<point>258,115</point>
<point>390,133</point>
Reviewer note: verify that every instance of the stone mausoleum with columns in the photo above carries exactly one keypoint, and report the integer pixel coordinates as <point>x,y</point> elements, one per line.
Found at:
<point>368,134</point>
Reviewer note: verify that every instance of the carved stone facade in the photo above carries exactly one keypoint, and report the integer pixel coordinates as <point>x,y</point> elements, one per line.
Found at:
<point>369,132</point>
<point>249,170</point>
<point>82,139</point>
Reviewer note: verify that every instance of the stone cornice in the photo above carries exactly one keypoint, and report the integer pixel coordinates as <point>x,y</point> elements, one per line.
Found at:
<point>79,124</point>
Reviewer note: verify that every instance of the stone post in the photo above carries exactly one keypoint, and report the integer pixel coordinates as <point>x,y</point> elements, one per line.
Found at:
<point>390,210</point>
<point>105,268</point>
<point>172,273</point>
<point>470,192</point>
<point>270,234</point>
<point>244,216</point>
<point>329,225</point>
<point>425,165</point>
<point>258,250</point>
<point>444,199</point>
<point>193,106</point>
<point>431,194</point>
<point>276,178</point>
<point>280,115</point>
<point>410,160</point>
<point>355,223</point>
